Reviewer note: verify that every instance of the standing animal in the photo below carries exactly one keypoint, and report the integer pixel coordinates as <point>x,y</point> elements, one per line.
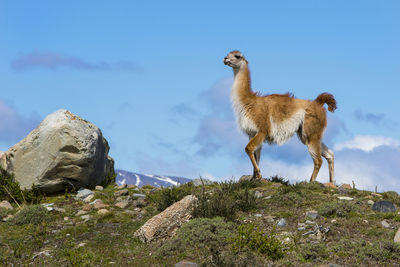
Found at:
<point>275,118</point>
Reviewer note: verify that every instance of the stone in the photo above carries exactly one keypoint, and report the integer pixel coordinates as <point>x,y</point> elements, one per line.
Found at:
<point>122,192</point>
<point>6,205</point>
<point>365,221</point>
<point>63,150</point>
<point>376,194</point>
<point>185,263</point>
<point>282,223</point>
<point>166,223</point>
<point>122,204</point>
<point>99,204</point>
<point>136,195</point>
<point>88,198</point>
<point>397,236</point>
<point>330,185</point>
<point>140,203</point>
<point>334,221</point>
<point>83,193</point>
<point>312,214</point>
<point>131,186</point>
<point>384,206</point>
<point>385,224</point>
<point>309,222</point>
<point>370,202</point>
<point>81,212</point>
<point>86,217</point>
<point>122,186</point>
<point>60,210</point>
<point>81,245</point>
<point>9,216</point>
<point>66,218</point>
<point>258,215</point>
<point>345,198</point>
<point>86,207</point>
<point>99,188</point>
<point>301,228</point>
<point>269,218</point>
<point>258,194</point>
<point>103,211</point>
<point>346,186</point>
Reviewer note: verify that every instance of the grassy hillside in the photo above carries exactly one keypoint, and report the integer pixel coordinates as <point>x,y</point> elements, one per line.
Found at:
<point>234,224</point>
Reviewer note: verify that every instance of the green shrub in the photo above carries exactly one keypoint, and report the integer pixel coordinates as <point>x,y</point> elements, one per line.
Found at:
<point>202,235</point>
<point>381,250</point>
<point>337,208</point>
<point>391,196</point>
<point>167,196</point>
<point>252,237</point>
<point>279,179</point>
<point>314,252</point>
<point>226,199</point>
<point>10,190</point>
<point>110,179</point>
<point>34,214</point>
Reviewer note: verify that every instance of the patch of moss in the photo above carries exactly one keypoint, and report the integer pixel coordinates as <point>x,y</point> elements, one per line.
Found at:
<point>33,214</point>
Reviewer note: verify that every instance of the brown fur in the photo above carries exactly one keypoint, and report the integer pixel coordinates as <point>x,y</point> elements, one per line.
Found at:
<point>263,114</point>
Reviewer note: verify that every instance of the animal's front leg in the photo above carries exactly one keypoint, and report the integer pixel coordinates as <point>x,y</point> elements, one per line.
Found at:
<point>254,144</point>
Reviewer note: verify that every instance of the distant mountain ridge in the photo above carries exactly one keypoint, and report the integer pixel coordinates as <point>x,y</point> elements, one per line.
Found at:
<point>126,177</point>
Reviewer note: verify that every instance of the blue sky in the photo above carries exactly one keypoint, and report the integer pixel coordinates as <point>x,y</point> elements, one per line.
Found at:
<point>150,75</point>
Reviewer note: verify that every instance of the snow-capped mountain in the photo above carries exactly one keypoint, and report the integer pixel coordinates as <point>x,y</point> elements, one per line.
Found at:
<point>125,177</point>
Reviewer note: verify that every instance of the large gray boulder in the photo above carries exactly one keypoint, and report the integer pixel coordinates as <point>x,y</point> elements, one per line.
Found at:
<point>64,150</point>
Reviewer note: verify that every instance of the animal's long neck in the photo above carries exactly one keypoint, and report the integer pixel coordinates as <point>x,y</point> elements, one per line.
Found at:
<point>241,89</point>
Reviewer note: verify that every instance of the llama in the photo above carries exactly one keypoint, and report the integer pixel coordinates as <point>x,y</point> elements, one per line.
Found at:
<point>275,118</point>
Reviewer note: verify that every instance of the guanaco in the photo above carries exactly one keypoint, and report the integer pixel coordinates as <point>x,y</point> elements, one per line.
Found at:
<point>275,118</point>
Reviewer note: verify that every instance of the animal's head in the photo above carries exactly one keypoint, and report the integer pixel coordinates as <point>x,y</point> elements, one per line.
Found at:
<point>235,59</point>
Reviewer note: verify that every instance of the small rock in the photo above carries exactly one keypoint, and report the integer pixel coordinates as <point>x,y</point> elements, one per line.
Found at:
<point>302,228</point>
<point>122,186</point>
<point>330,185</point>
<point>185,263</point>
<point>99,188</point>
<point>258,194</point>
<point>86,207</point>
<point>310,222</point>
<point>129,186</point>
<point>122,204</point>
<point>66,218</point>
<point>334,221</point>
<point>49,208</point>
<point>312,214</point>
<point>102,212</point>
<point>258,215</point>
<point>81,212</point>
<point>345,198</point>
<point>59,209</point>
<point>397,236</point>
<point>277,185</point>
<point>122,192</point>
<point>86,218</point>
<point>98,204</point>
<point>268,197</point>
<point>9,216</point>
<point>282,223</point>
<point>346,186</point>
<point>370,202</point>
<point>81,245</point>
<point>88,198</point>
<point>139,195</point>
<point>83,193</point>
<point>6,205</point>
<point>376,194</point>
<point>365,221</point>
<point>384,206</point>
<point>269,218</point>
<point>385,224</point>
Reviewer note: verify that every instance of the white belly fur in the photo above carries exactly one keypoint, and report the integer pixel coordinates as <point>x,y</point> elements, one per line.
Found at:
<point>283,131</point>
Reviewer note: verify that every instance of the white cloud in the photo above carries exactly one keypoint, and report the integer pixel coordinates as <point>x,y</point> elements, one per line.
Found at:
<point>367,143</point>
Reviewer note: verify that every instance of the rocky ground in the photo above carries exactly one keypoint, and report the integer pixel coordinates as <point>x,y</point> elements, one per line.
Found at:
<point>232,224</point>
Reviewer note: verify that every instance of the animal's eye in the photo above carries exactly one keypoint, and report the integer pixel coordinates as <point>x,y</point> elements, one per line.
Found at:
<point>237,56</point>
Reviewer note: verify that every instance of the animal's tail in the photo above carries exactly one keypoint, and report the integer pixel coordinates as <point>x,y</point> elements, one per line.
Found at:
<point>328,99</point>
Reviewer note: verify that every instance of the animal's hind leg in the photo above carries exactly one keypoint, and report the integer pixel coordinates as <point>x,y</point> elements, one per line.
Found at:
<point>314,148</point>
<point>329,156</point>
<point>257,156</point>
<point>251,147</point>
